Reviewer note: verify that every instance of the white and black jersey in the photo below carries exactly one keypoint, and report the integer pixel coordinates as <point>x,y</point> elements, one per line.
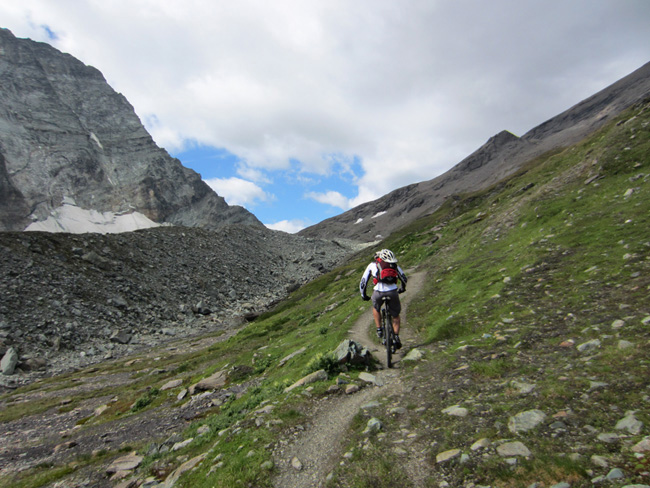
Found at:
<point>371,274</point>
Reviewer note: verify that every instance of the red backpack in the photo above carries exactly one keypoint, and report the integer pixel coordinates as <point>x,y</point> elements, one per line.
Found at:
<point>387,273</point>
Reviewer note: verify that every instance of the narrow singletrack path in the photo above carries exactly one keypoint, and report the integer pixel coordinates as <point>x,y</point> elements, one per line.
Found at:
<point>319,447</point>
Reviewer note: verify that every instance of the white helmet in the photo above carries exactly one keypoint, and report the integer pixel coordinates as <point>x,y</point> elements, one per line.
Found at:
<point>387,256</point>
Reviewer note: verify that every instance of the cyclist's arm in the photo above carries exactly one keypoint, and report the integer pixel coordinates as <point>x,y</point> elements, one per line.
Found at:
<point>365,279</point>
<point>402,277</point>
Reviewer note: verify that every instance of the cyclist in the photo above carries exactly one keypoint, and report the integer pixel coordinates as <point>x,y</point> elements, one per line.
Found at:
<point>385,273</point>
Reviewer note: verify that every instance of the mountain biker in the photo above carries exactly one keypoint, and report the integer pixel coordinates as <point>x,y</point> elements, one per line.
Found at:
<point>385,284</point>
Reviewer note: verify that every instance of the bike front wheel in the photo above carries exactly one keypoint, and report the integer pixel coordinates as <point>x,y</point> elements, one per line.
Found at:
<point>388,334</point>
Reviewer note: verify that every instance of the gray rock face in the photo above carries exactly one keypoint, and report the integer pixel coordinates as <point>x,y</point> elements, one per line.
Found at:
<point>501,156</point>
<point>64,132</point>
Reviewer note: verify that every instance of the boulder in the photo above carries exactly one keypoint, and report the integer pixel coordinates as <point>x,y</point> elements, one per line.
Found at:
<point>350,352</point>
<point>9,362</point>
<point>414,355</point>
<point>525,421</point>
<point>512,449</point>
<point>120,337</point>
<point>214,382</point>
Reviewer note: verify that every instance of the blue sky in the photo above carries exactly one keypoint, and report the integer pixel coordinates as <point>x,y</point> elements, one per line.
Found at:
<point>301,109</point>
<point>291,193</point>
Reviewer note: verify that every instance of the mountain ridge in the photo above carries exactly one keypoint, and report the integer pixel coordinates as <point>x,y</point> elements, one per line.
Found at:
<point>502,155</point>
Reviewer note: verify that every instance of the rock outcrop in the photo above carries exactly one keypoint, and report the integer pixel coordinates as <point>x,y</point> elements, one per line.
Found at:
<point>64,132</point>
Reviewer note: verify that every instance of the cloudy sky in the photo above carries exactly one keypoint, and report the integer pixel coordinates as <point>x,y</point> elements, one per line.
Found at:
<point>301,109</point>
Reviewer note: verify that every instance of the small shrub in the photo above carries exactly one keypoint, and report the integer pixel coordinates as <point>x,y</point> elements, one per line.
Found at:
<point>324,361</point>
<point>145,399</point>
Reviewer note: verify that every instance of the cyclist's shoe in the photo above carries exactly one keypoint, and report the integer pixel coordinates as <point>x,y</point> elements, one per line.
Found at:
<point>397,342</point>
<point>380,332</point>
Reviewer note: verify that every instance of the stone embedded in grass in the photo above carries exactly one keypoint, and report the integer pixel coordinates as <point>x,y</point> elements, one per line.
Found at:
<point>171,384</point>
<point>183,468</point>
<point>456,411</point>
<point>414,355</point>
<point>100,410</point>
<point>525,421</point>
<point>214,382</point>
<point>125,463</point>
<point>608,437</point>
<point>522,388</point>
<point>448,455</point>
<point>182,444</point>
<point>642,446</point>
<point>589,345</point>
<point>512,449</point>
<point>320,375</point>
<point>481,444</point>
<point>599,461</point>
<point>374,425</point>
<point>630,423</point>
<point>617,324</point>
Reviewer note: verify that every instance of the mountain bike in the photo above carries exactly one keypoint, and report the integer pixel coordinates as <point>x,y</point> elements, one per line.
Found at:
<point>387,326</point>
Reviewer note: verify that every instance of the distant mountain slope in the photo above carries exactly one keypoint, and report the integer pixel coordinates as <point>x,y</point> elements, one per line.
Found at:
<point>65,133</point>
<point>500,156</point>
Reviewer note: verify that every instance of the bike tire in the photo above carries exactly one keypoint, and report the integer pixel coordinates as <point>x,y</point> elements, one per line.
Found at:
<point>388,334</point>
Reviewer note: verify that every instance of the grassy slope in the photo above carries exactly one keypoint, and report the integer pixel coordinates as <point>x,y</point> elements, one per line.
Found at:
<point>518,273</point>
<point>516,270</point>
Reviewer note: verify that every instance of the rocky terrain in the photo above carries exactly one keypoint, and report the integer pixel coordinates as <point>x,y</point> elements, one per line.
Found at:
<point>65,133</point>
<point>70,300</point>
<point>503,155</point>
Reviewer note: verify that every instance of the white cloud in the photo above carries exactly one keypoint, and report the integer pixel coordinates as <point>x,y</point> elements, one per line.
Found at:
<point>253,174</point>
<point>290,226</point>
<point>238,192</point>
<point>409,87</point>
<point>333,198</point>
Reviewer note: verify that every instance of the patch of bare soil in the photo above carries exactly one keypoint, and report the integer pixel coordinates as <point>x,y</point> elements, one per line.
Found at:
<point>318,447</point>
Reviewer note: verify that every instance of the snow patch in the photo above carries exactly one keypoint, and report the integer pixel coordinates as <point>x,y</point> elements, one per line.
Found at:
<point>378,214</point>
<point>70,218</point>
<point>358,221</point>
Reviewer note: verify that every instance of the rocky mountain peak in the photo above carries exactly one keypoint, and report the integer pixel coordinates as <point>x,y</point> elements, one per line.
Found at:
<point>65,133</point>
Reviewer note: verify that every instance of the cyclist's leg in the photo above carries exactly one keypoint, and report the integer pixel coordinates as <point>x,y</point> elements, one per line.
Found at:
<point>376,305</point>
<point>395,310</point>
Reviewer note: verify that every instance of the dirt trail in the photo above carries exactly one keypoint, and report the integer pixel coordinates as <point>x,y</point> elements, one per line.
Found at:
<point>319,447</point>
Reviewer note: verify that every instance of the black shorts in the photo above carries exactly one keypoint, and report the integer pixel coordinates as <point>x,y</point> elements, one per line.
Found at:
<point>394,306</point>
